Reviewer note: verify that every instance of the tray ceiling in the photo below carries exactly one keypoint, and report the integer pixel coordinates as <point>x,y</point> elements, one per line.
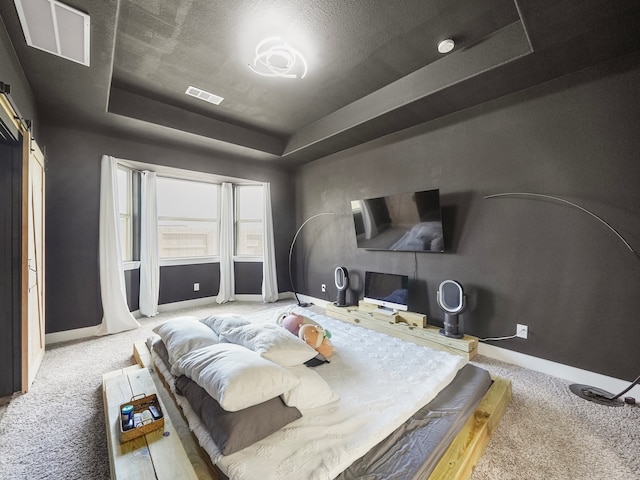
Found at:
<point>373,66</point>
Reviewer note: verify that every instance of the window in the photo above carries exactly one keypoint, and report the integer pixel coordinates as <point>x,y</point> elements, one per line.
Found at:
<point>187,218</point>
<point>249,217</point>
<point>125,208</point>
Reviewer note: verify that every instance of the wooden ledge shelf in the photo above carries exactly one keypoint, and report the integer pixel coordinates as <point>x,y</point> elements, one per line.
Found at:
<point>406,326</point>
<point>158,454</point>
<point>198,458</point>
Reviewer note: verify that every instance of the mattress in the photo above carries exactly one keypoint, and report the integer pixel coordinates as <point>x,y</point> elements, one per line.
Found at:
<point>413,450</point>
<point>408,443</point>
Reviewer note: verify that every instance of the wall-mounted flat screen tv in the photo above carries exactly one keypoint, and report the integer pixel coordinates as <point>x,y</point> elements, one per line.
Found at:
<point>409,222</point>
<point>388,290</point>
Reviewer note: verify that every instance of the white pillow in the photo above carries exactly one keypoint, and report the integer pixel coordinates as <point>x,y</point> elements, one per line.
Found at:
<point>221,323</point>
<point>234,375</point>
<point>182,334</point>
<point>272,342</point>
<point>312,391</point>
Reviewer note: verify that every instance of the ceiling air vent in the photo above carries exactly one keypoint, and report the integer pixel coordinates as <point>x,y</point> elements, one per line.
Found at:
<point>55,28</point>
<point>203,95</point>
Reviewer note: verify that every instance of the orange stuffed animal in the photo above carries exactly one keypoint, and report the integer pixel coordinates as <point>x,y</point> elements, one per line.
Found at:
<point>316,337</point>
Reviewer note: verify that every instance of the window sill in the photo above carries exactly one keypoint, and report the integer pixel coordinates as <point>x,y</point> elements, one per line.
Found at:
<point>167,262</point>
<point>247,259</point>
<point>130,265</point>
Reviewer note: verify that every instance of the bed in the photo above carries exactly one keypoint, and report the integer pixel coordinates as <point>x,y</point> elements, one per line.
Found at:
<point>381,408</point>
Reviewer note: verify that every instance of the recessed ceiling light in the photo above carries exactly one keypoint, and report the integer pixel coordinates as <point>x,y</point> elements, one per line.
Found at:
<point>445,46</point>
<point>56,28</point>
<point>275,58</point>
<point>204,95</point>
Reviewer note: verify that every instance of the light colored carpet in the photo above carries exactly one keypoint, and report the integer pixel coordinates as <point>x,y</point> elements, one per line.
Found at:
<point>56,431</point>
<point>549,433</point>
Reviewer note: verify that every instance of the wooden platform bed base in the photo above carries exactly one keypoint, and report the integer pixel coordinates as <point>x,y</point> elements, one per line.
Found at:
<point>458,461</point>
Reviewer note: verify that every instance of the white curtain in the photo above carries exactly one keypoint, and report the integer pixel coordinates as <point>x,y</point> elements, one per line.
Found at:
<point>149,267</point>
<point>116,316</point>
<point>269,276</point>
<point>227,280</point>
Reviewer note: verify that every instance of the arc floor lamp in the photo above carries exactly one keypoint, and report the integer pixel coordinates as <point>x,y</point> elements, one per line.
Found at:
<point>587,392</point>
<point>293,242</point>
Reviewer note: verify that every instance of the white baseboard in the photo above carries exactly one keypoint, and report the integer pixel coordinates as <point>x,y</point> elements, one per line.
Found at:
<point>566,372</point>
<point>314,300</point>
<point>196,302</point>
<point>202,302</point>
<point>68,335</point>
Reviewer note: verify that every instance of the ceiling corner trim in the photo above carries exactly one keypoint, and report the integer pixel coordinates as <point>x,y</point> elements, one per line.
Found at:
<point>506,45</point>
<point>524,25</point>
<point>56,28</point>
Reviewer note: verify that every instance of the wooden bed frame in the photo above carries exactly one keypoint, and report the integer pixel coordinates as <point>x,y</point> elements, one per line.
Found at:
<point>457,463</point>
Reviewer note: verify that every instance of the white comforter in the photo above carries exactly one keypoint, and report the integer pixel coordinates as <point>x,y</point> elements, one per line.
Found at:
<point>381,381</point>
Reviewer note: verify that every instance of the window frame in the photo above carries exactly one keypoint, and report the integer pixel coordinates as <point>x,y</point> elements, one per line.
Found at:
<point>130,257</point>
<point>179,174</point>
<point>239,258</point>
<point>192,260</point>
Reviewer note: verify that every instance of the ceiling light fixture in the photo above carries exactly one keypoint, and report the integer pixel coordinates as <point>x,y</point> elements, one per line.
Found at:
<point>55,28</point>
<point>445,46</point>
<point>275,58</point>
<point>204,95</point>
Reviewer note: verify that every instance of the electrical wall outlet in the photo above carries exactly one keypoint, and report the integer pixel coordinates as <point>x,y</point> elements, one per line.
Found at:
<point>522,331</point>
<point>323,287</point>
<point>196,287</point>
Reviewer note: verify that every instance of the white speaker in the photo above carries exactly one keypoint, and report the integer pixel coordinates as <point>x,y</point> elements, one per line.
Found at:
<point>452,299</point>
<point>342,284</point>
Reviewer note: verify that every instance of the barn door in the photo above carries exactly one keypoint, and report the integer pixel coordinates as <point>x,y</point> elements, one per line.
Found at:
<point>33,318</point>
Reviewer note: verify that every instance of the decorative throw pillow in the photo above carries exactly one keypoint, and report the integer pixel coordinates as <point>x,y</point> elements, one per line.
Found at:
<point>312,391</point>
<point>158,346</point>
<point>222,323</point>
<point>233,431</point>
<point>183,334</point>
<point>235,376</point>
<point>271,342</point>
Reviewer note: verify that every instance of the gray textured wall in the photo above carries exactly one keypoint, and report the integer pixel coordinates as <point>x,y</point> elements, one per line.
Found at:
<point>10,269</point>
<point>11,73</point>
<point>73,186</point>
<point>176,282</point>
<point>538,263</point>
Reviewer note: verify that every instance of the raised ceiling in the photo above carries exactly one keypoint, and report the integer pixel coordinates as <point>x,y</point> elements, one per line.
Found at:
<point>373,66</point>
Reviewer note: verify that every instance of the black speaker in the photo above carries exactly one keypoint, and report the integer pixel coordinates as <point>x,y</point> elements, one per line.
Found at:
<point>453,301</point>
<point>342,284</point>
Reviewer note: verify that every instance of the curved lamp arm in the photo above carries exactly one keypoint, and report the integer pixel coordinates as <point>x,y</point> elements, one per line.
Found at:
<point>588,393</point>
<point>575,205</point>
<point>293,242</point>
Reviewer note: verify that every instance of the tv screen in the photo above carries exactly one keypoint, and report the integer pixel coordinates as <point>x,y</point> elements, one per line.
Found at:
<point>387,290</point>
<point>409,222</point>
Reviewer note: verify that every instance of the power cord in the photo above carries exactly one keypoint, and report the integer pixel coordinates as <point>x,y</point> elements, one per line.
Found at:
<point>503,338</point>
